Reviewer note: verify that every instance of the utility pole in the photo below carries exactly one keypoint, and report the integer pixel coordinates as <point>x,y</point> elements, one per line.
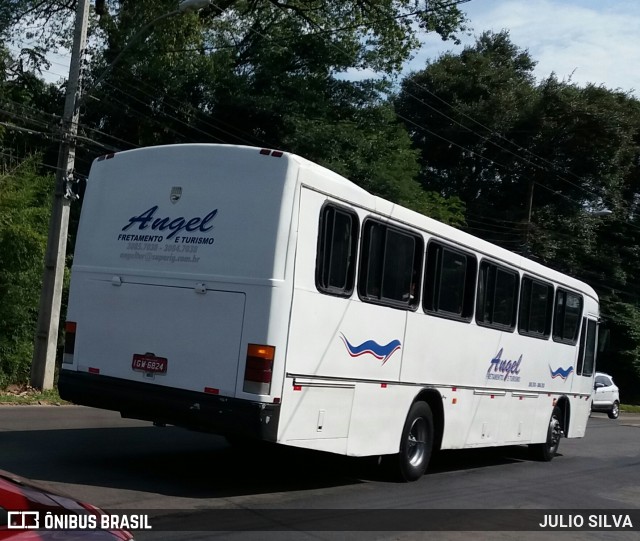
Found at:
<point>46,341</point>
<point>528,223</point>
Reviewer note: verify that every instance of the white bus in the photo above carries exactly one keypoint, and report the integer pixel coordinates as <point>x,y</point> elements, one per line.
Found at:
<point>251,293</point>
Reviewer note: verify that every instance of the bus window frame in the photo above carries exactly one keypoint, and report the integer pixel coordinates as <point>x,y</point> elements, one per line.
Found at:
<point>516,297</point>
<point>346,292</point>
<point>550,308</point>
<point>470,282</point>
<point>413,302</point>
<point>561,339</point>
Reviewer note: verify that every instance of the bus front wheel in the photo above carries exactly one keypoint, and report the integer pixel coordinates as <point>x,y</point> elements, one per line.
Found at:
<point>416,443</point>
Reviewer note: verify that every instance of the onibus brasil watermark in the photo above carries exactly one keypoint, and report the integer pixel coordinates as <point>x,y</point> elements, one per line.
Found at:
<point>37,520</point>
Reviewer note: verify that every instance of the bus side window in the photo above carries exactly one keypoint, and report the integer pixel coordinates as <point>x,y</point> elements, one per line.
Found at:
<point>536,308</point>
<point>567,316</point>
<point>337,246</point>
<point>391,262</point>
<point>449,282</point>
<point>497,296</point>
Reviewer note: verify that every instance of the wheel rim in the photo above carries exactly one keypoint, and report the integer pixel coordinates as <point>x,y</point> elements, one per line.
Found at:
<point>615,409</point>
<point>555,431</point>
<point>417,441</point>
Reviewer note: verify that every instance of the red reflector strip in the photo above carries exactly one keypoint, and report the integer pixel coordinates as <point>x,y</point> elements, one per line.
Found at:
<point>493,396</point>
<point>297,387</point>
<point>383,385</point>
<point>274,153</point>
<point>522,398</point>
<point>211,390</point>
<point>276,400</point>
<point>94,370</point>
<point>454,389</point>
<point>70,326</point>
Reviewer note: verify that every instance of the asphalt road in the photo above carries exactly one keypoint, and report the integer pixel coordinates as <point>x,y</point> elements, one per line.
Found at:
<point>180,476</point>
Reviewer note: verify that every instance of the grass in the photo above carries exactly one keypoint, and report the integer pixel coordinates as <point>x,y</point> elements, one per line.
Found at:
<point>629,408</point>
<point>27,396</point>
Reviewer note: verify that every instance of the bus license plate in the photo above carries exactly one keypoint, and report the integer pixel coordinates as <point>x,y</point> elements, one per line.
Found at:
<point>149,363</point>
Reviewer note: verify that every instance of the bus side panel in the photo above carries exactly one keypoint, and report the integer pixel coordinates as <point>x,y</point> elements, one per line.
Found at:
<point>332,336</point>
<point>378,416</point>
<point>316,416</point>
<point>326,340</point>
<point>442,352</point>
<point>358,419</point>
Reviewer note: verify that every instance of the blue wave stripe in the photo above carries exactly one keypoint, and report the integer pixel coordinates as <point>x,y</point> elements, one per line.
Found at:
<point>371,347</point>
<point>562,372</point>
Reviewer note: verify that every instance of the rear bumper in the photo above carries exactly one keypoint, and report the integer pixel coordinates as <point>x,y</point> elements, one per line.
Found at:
<point>189,409</point>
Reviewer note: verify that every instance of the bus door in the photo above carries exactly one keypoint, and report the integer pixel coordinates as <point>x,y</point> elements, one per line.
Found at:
<point>585,369</point>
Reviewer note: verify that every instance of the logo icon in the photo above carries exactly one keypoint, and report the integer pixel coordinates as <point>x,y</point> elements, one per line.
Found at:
<point>23,520</point>
<point>176,194</point>
<point>370,347</point>
<point>560,372</point>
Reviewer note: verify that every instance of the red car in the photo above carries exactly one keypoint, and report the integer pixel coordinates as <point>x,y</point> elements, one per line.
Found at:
<point>19,494</point>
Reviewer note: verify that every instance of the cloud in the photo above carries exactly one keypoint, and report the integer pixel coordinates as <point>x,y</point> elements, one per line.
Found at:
<point>589,41</point>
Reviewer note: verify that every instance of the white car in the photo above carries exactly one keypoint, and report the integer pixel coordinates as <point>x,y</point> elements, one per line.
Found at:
<point>606,396</point>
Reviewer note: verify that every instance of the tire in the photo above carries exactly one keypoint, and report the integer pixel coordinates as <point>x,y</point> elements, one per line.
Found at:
<point>547,450</point>
<point>614,412</point>
<point>416,443</point>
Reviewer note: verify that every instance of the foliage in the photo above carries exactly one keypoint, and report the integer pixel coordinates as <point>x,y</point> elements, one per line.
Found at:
<point>269,74</point>
<point>24,211</point>
<point>532,162</point>
<point>382,32</point>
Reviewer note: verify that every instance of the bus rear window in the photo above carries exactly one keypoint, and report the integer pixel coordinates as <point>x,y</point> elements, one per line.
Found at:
<point>337,245</point>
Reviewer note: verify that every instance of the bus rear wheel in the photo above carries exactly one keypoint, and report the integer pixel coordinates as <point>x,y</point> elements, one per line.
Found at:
<point>416,443</point>
<point>547,450</point>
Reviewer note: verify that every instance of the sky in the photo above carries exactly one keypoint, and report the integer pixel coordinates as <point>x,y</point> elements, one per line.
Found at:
<point>585,41</point>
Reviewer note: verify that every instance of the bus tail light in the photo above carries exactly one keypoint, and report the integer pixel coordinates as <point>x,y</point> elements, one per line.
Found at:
<point>69,342</point>
<point>259,369</point>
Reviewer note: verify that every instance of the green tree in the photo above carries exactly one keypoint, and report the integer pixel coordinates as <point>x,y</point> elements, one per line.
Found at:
<point>24,215</point>
<point>531,163</point>
<point>460,111</point>
<point>270,74</point>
